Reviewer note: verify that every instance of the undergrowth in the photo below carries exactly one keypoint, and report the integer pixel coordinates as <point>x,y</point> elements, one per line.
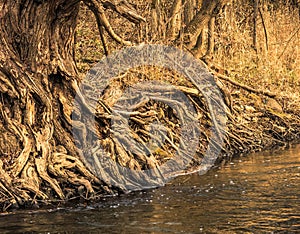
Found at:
<point>274,66</point>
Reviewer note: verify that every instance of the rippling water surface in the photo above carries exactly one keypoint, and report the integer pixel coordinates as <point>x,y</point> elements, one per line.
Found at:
<point>256,193</point>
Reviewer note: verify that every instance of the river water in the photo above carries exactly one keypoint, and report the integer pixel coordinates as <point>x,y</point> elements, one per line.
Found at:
<point>252,194</point>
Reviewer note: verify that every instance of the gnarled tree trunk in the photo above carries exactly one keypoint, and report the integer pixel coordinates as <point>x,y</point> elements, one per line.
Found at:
<point>37,80</point>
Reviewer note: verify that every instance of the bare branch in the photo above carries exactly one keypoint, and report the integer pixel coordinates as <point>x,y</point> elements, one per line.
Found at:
<point>264,27</point>
<point>125,9</point>
<point>105,47</point>
<point>98,11</point>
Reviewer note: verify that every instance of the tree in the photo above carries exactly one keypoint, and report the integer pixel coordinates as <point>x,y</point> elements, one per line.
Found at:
<point>39,79</point>
<point>185,22</point>
<point>39,158</point>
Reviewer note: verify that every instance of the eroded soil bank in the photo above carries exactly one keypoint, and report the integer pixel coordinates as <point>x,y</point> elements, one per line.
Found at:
<point>255,120</point>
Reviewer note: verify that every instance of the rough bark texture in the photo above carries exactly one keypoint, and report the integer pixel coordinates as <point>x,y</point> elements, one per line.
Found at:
<point>175,22</point>
<point>38,77</point>
<point>200,20</point>
<point>211,38</point>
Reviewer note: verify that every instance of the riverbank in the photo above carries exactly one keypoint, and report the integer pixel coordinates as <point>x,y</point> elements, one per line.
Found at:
<point>259,87</point>
<point>255,193</point>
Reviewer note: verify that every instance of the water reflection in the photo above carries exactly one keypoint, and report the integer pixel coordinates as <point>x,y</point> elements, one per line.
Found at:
<point>257,193</point>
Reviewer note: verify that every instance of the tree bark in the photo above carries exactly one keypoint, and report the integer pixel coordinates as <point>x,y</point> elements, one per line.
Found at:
<point>189,10</point>
<point>200,20</point>
<point>210,37</point>
<point>38,77</point>
<point>157,29</point>
<point>175,21</point>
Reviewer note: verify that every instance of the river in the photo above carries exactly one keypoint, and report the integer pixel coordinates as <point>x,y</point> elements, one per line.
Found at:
<point>252,194</point>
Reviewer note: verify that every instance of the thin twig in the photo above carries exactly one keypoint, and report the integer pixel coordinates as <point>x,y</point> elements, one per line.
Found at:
<point>246,87</point>
<point>105,47</point>
<point>98,11</point>
<point>289,40</point>
<point>264,27</point>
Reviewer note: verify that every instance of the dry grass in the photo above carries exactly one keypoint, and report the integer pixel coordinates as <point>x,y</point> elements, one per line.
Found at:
<point>276,64</point>
<point>274,67</point>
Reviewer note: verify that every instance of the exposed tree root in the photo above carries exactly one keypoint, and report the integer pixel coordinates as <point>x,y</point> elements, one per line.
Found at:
<point>246,87</point>
<point>250,127</point>
<point>40,159</point>
<point>122,7</point>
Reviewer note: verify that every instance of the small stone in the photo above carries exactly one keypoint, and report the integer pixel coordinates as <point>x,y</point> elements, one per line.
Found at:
<point>273,105</point>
